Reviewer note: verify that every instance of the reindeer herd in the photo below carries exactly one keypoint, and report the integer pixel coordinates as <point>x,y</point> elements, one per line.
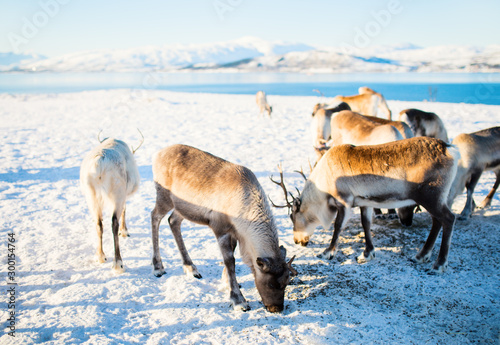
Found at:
<point>362,161</point>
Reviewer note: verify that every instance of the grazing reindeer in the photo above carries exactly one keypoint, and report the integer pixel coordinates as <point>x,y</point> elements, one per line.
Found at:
<point>229,199</point>
<point>479,151</point>
<point>262,103</point>
<point>367,103</point>
<point>348,127</point>
<point>401,173</point>
<point>320,124</point>
<point>423,124</point>
<point>109,175</point>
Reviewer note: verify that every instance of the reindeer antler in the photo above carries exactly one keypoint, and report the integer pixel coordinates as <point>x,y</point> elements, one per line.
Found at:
<point>302,173</point>
<point>133,150</point>
<point>293,271</point>
<point>282,185</point>
<point>99,136</point>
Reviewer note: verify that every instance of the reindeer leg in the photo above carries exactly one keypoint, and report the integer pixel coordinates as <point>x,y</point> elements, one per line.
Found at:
<point>487,201</point>
<point>448,220</point>
<point>96,211</point>
<point>225,241</point>
<point>469,203</point>
<point>123,226</point>
<point>175,221</point>
<point>118,263</point>
<point>425,253</point>
<point>366,222</point>
<point>378,213</point>
<point>225,275</point>
<point>343,215</point>
<point>391,214</point>
<point>162,207</point>
<point>99,253</point>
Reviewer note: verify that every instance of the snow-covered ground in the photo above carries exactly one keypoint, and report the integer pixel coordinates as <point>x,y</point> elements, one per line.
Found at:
<point>64,296</point>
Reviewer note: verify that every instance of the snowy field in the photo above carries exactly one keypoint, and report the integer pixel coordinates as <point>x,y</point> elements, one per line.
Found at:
<point>65,297</point>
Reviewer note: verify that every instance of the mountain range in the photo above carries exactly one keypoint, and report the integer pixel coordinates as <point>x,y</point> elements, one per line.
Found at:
<point>251,54</point>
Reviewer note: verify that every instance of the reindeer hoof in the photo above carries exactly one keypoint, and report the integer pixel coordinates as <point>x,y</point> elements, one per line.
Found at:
<point>326,255</point>
<point>463,217</point>
<point>118,267</point>
<point>438,269</point>
<point>158,272</point>
<point>191,270</point>
<point>241,306</point>
<point>362,259</point>
<point>101,258</point>
<point>422,259</point>
<point>124,233</point>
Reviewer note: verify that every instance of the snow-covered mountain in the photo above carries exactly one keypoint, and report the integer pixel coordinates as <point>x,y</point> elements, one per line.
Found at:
<point>11,61</point>
<point>250,54</point>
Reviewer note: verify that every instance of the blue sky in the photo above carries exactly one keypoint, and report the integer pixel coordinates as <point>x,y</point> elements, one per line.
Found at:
<point>55,27</point>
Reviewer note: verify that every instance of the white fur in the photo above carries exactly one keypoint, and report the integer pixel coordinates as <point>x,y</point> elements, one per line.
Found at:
<point>108,175</point>
<point>262,103</point>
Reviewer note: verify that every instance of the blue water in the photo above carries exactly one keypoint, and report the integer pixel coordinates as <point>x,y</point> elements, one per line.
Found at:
<point>440,87</point>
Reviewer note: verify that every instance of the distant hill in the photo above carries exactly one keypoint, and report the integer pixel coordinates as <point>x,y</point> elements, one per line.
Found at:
<point>12,61</point>
<point>250,54</point>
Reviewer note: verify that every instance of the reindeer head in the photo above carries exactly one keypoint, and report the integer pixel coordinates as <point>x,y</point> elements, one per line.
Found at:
<point>303,216</point>
<point>271,278</point>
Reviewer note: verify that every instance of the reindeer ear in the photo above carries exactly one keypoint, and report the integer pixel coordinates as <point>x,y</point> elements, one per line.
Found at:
<point>264,264</point>
<point>283,252</point>
<point>296,205</point>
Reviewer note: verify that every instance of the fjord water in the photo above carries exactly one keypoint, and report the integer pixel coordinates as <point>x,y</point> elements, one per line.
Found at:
<point>480,88</point>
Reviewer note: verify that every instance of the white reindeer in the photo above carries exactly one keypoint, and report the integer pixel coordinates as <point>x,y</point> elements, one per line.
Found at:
<point>425,124</point>
<point>479,151</point>
<point>108,175</point>
<point>397,174</point>
<point>320,124</point>
<point>228,198</point>
<point>261,100</point>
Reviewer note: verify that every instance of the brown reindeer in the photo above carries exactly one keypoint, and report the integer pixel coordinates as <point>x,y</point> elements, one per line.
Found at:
<point>397,174</point>
<point>367,103</point>
<point>228,198</point>
<point>479,151</point>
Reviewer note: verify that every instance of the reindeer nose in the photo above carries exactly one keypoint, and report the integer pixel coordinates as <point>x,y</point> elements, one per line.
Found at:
<point>303,241</point>
<point>275,308</point>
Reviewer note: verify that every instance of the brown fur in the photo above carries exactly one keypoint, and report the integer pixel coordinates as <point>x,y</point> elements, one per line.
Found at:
<point>401,173</point>
<point>402,127</point>
<point>228,198</point>
<point>367,103</point>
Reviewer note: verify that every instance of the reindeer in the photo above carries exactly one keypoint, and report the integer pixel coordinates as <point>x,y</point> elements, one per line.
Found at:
<point>402,127</point>
<point>320,124</point>
<point>423,123</point>
<point>392,175</point>
<point>367,103</point>
<point>108,175</point>
<point>229,199</point>
<point>262,103</point>
<point>479,151</point>
<point>348,127</point>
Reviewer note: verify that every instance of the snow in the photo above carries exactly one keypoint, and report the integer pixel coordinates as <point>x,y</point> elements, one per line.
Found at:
<point>65,296</point>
